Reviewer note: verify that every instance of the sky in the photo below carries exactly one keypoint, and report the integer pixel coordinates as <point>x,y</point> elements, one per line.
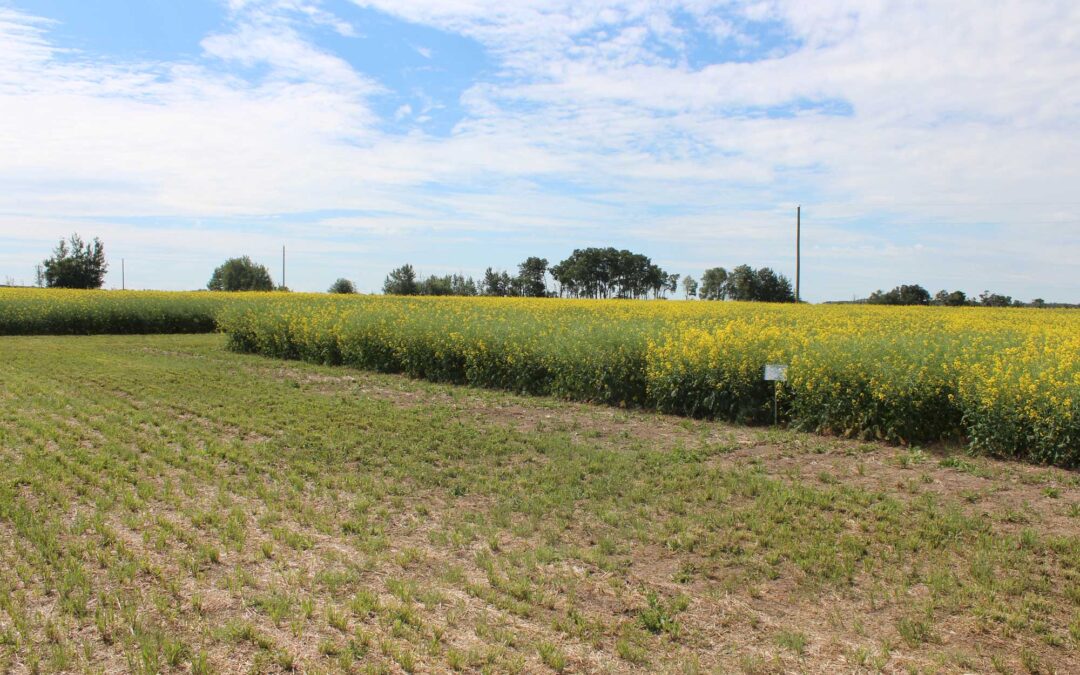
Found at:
<point>927,142</point>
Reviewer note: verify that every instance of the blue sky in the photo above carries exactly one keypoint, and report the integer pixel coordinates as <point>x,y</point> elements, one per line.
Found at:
<point>934,144</point>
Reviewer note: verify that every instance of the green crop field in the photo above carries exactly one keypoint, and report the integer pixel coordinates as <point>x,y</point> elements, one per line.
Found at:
<point>169,506</point>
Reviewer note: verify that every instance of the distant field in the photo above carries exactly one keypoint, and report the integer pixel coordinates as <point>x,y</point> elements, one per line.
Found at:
<point>166,505</point>
<point>34,311</point>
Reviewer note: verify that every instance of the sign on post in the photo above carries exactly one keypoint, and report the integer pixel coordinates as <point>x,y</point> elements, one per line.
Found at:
<point>775,372</point>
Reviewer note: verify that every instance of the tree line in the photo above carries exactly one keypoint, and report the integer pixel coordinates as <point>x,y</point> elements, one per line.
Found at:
<point>914,294</point>
<point>599,273</point>
<point>528,282</point>
<point>587,273</point>
<point>741,283</point>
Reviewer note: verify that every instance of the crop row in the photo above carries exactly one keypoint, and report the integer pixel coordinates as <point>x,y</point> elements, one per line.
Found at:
<point>31,311</point>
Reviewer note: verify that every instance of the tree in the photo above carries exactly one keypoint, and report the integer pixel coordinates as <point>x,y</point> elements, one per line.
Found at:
<point>913,294</point>
<point>714,284</point>
<point>461,285</point>
<point>434,285</point>
<point>240,274</point>
<point>988,299</point>
<point>745,283</point>
<point>342,286</point>
<point>950,299</point>
<point>740,283</point>
<point>75,264</point>
<point>496,284</point>
<point>401,281</point>
<point>768,286</point>
<point>672,285</point>
<point>690,286</point>
<point>608,272</point>
<point>530,277</point>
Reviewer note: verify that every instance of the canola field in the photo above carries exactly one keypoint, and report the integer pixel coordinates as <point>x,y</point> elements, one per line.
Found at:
<point>1006,381</point>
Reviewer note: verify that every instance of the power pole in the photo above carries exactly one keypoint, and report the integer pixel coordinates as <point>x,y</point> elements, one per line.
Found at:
<point>283,266</point>
<point>123,287</point>
<point>798,248</point>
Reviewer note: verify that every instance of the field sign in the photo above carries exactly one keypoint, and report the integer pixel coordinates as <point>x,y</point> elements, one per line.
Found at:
<point>775,372</point>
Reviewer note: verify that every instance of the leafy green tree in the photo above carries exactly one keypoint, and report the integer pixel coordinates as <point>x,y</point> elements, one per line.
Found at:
<point>740,283</point>
<point>690,286</point>
<point>75,264</point>
<point>240,274</point>
<point>530,277</point>
<point>747,284</point>
<point>496,284</point>
<point>950,299</point>
<point>906,294</point>
<point>434,285</point>
<point>608,273</point>
<point>401,281</point>
<point>988,299</point>
<point>768,286</point>
<point>672,285</point>
<point>714,284</point>
<point>462,285</point>
<point>343,286</point>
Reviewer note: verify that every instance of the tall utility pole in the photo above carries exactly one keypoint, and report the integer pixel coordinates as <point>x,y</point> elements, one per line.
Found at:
<point>123,286</point>
<point>283,267</point>
<point>798,248</point>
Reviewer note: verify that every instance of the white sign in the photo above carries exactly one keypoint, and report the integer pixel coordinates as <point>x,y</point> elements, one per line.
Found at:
<point>775,372</point>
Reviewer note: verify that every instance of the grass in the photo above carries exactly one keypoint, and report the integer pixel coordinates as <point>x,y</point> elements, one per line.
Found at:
<point>168,505</point>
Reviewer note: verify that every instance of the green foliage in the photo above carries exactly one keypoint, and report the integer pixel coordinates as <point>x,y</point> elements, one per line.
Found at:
<point>690,287</point>
<point>75,264</point>
<point>552,656</point>
<point>610,273</point>
<point>342,286</point>
<point>496,284</point>
<point>746,284</point>
<point>988,299</point>
<point>796,641</point>
<point>714,284</point>
<point>945,298</point>
<point>401,281</point>
<point>913,294</point>
<point>530,277</point>
<point>761,285</point>
<point>450,284</point>
<point>240,274</point>
<point>659,616</point>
